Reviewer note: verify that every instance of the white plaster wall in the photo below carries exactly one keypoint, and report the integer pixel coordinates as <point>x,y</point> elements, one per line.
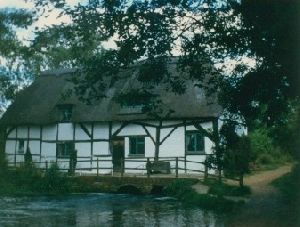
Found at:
<point>241,130</point>
<point>10,146</point>
<point>34,147</point>
<point>195,166</point>
<point>49,132</point>
<point>126,147</point>
<point>105,163</point>
<point>80,134</point>
<point>20,158</point>
<point>101,131</point>
<point>12,134</point>
<point>101,148</point>
<point>173,146</point>
<point>65,131</point>
<point>84,164</point>
<point>34,132</point>
<point>22,132</point>
<point>138,165</point>
<point>49,151</point>
<point>129,130</point>
<point>83,149</point>
<point>149,147</point>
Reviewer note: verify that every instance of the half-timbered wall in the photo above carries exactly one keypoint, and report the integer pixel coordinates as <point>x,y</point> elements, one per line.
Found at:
<point>92,140</point>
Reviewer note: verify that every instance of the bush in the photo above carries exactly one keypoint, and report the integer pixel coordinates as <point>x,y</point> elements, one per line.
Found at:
<point>54,181</point>
<point>263,151</point>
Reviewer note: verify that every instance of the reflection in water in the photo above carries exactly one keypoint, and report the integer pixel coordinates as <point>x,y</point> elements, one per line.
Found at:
<point>102,210</point>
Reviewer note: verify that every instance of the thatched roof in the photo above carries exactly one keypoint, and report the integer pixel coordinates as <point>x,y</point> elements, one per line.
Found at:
<point>38,104</point>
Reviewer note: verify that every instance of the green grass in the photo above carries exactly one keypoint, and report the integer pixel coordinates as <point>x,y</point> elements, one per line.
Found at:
<point>289,185</point>
<point>182,190</point>
<point>28,180</point>
<point>222,189</point>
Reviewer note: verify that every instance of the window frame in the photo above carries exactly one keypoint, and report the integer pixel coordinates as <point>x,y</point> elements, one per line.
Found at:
<point>65,155</point>
<point>195,151</point>
<point>131,109</point>
<point>130,146</point>
<point>65,113</point>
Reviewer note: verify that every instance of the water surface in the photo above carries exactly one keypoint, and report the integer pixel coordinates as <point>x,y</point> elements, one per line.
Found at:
<point>102,210</point>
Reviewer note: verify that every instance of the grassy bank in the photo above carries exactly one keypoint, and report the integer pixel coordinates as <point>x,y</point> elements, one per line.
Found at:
<point>289,186</point>
<point>28,180</point>
<point>183,191</point>
<point>222,189</point>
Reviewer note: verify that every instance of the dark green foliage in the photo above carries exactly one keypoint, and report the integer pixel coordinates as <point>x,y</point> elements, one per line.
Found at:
<point>264,152</point>
<point>24,180</point>
<point>232,152</point>
<point>28,157</point>
<point>73,162</point>
<point>289,185</point>
<point>286,136</point>
<point>54,181</point>
<point>14,54</point>
<point>27,179</point>
<point>181,189</point>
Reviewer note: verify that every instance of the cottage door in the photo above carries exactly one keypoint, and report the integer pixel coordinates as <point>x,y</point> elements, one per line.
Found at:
<point>118,154</point>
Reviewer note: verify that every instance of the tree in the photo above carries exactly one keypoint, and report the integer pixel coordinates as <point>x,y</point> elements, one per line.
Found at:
<point>13,62</point>
<point>201,31</point>
<point>14,53</point>
<point>264,94</point>
<point>237,151</point>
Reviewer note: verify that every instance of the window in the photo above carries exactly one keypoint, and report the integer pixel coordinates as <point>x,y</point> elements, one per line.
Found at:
<point>63,150</point>
<point>137,145</point>
<point>131,109</point>
<point>194,142</point>
<point>21,146</point>
<point>65,113</point>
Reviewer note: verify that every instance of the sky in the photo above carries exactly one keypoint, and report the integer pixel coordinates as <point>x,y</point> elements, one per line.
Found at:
<point>27,34</point>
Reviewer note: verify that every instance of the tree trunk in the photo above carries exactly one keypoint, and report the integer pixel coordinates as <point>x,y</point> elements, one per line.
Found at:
<point>241,180</point>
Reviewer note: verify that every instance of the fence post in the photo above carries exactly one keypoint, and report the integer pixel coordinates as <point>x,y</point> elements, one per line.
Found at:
<point>122,167</point>
<point>205,171</point>
<point>176,167</point>
<point>185,163</point>
<point>148,166</point>
<point>46,165</point>
<point>97,167</point>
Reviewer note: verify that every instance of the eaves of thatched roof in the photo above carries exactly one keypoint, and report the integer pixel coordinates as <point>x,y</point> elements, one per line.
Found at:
<point>37,104</point>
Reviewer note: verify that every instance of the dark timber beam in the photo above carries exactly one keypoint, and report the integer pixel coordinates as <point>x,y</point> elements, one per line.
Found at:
<point>82,126</point>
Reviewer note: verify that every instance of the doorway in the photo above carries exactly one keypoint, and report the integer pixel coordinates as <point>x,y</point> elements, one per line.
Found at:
<point>118,153</point>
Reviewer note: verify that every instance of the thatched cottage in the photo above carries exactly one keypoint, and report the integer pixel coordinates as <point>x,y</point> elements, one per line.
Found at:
<point>52,126</point>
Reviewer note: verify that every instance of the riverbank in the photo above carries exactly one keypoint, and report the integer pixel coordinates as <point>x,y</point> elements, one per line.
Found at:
<point>208,195</point>
<point>30,181</point>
